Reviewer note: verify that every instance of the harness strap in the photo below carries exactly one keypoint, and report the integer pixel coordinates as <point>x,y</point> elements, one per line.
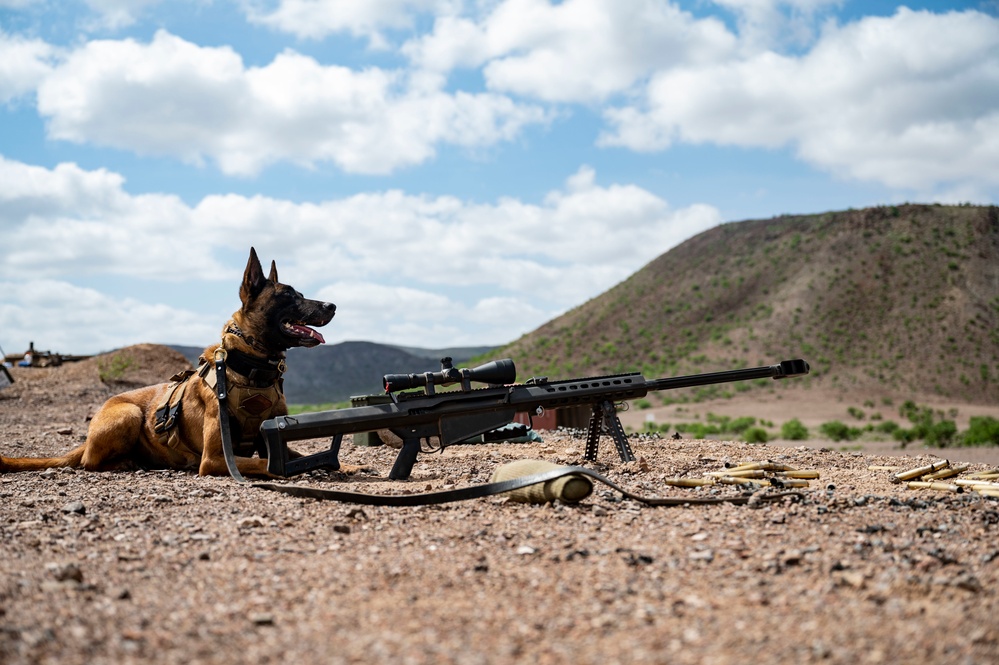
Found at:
<point>260,370</point>
<point>166,413</point>
<point>224,425</point>
<point>490,489</point>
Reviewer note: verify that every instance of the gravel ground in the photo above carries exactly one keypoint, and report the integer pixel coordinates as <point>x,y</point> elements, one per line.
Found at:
<point>165,566</point>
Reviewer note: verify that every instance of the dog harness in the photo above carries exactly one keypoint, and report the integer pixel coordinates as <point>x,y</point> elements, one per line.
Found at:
<point>249,402</point>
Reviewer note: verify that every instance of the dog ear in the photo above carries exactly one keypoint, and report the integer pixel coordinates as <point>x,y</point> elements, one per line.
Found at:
<point>273,276</point>
<point>253,278</point>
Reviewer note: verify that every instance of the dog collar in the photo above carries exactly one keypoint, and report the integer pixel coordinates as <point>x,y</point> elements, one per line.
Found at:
<point>262,370</point>
<point>232,329</point>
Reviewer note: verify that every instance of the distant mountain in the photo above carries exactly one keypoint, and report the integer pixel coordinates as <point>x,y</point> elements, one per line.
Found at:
<point>336,372</point>
<point>897,300</point>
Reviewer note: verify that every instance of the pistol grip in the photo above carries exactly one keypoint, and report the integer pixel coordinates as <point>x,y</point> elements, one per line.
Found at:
<point>407,458</point>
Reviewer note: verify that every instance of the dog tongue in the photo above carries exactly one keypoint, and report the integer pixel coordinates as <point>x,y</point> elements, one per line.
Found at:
<point>306,331</point>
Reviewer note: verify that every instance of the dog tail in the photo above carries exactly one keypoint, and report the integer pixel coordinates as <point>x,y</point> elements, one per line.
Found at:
<point>14,464</point>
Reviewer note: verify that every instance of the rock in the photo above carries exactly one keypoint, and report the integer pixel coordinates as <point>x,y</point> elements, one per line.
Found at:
<point>76,507</point>
<point>250,522</point>
<point>65,572</point>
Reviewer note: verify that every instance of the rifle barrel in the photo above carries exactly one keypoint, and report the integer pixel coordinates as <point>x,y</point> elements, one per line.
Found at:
<point>784,369</point>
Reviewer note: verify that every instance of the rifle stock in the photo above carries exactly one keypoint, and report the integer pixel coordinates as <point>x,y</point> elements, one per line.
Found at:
<point>457,416</point>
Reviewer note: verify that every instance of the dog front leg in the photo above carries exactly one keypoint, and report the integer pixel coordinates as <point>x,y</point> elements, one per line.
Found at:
<point>213,457</point>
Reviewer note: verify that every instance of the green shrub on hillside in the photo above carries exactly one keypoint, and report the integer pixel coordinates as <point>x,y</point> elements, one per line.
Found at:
<point>839,431</point>
<point>927,425</point>
<point>982,431</point>
<point>114,368</point>
<point>941,434</point>
<point>755,435</point>
<point>887,427</point>
<point>740,425</point>
<point>793,430</point>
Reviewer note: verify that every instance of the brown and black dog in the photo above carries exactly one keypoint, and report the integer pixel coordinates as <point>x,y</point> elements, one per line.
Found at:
<point>125,434</point>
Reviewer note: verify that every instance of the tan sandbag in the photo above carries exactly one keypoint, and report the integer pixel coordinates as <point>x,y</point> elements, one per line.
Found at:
<point>571,488</point>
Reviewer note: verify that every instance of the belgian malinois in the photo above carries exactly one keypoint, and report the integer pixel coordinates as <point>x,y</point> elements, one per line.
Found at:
<point>143,429</point>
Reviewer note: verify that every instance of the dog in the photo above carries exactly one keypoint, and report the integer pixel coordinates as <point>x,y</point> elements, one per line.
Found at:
<point>176,425</point>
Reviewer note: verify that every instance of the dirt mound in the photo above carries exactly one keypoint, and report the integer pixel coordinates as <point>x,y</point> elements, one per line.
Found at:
<point>67,396</point>
<point>138,365</point>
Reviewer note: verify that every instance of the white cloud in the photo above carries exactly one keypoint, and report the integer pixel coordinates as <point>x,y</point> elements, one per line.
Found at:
<point>574,51</point>
<point>367,311</point>
<point>402,268</point>
<point>773,23</point>
<point>67,221</point>
<point>114,14</point>
<point>316,19</point>
<point>908,101</point>
<point>172,97</point>
<point>62,317</point>
<point>573,245</point>
<point>23,64</point>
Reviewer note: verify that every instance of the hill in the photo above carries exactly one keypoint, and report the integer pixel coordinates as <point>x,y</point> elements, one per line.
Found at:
<point>899,301</point>
<point>336,372</point>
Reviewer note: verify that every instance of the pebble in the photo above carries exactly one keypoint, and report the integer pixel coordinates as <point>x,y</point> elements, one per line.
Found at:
<point>250,522</point>
<point>63,572</point>
<point>76,507</point>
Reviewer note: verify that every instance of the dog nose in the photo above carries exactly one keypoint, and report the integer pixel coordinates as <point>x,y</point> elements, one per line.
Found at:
<point>329,307</point>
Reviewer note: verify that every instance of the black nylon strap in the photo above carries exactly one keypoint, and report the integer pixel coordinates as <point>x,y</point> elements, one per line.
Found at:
<point>260,370</point>
<point>224,430</point>
<point>490,489</point>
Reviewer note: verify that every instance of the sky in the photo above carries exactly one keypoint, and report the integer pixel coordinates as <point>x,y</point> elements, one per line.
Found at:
<point>448,172</point>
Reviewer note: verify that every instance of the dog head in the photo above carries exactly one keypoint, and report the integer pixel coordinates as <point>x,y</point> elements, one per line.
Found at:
<point>275,314</point>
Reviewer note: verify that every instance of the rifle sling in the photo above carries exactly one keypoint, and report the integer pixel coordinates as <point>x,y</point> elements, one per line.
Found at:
<point>224,426</point>
<point>491,489</point>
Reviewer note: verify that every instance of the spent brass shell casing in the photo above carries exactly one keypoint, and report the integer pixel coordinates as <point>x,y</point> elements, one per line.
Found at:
<point>790,482</point>
<point>762,466</point>
<point>987,491</point>
<point>736,480</point>
<point>946,473</point>
<point>689,482</point>
<point>975,484</point>
<point>802,473</point>
<point>738,473</point>
<point>985,475</point>
<point>943,487</point>
<point>912,474</point>
<point>882,467</point>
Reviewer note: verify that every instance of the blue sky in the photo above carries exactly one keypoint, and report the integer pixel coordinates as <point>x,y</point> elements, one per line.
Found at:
<point>448,172</point>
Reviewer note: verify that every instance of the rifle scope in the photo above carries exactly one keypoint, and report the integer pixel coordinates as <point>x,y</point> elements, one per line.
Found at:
<point>498,372</point>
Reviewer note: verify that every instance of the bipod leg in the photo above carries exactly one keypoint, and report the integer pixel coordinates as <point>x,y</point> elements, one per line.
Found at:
<point>593,433</point>
<point>613,424</point>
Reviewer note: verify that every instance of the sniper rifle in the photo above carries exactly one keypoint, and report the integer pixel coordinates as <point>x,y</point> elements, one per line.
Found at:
<point>452,417</point>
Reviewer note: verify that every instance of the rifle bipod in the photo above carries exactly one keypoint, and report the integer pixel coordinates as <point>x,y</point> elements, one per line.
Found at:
<point>604,416</point>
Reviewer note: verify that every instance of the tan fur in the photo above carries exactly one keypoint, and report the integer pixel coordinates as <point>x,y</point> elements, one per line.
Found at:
<point>121,434</point>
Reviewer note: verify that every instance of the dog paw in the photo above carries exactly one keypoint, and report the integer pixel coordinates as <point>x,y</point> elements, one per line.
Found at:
<point>351,469</point>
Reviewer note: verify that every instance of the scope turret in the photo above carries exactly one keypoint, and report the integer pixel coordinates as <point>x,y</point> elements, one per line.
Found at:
<point>497,372</point>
